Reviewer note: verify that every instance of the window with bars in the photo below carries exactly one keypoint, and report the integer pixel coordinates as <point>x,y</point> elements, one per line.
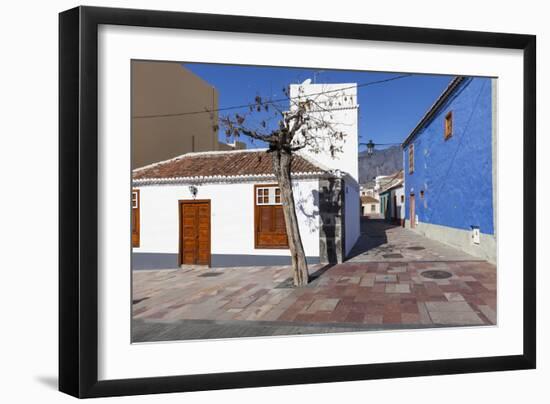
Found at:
<point>269,223</point>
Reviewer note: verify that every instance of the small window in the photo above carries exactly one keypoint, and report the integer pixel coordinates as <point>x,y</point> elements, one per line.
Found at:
<point>268,196</point>
<point>372,208</point>
<point>411,158</point>
<point>402,198</point>
<point>448,125</point>
<point>135,199</point>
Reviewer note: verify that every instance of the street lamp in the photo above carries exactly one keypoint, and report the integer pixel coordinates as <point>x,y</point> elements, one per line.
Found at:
<point>371,145</point>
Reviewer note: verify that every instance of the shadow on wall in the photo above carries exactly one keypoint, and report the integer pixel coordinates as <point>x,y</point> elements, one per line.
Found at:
<point>322,212</point>
<point>311,215</point>
<point>331,201</point>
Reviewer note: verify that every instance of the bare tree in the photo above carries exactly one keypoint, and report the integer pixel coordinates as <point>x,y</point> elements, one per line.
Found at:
<point>307,123</point>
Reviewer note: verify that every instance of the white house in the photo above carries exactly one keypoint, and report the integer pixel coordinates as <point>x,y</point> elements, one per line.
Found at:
<point>367,190</point>
<point>392,199</point>
<point>223,208</point>
<point>370,206</point>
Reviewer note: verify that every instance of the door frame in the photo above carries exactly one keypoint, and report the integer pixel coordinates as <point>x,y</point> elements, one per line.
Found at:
<point>394,201</point>
<point>181,204</point>
<point>412,210</point>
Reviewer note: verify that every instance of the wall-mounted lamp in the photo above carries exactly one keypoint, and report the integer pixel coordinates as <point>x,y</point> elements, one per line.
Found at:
<point>193,190</point>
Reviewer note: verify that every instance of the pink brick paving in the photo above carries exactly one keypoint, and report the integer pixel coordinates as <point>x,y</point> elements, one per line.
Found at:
<point>368,293</point>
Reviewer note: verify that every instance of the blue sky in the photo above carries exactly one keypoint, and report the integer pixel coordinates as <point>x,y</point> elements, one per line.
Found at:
<point>387,113</point>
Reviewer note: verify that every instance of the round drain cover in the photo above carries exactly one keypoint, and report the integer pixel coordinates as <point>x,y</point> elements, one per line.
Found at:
<point>435,274</point>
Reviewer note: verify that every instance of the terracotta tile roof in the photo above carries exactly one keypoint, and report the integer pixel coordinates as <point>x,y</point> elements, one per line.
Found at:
<point>368,199</point>
<point>221,163</point>
<point>394,184</point>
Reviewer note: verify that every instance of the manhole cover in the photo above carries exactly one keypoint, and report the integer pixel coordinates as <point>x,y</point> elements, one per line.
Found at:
<point>415,248</point>
<point>210,274</point>
<point>392,256</point>
<point>435,274</point>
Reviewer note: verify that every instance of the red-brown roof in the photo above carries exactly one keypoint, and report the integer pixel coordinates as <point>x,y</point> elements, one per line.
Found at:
<point>368,199</point>
<point>226,164</point>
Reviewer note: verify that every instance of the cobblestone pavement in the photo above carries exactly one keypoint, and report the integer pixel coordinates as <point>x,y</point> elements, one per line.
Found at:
<point>382,294</point>
<point>381,241</point>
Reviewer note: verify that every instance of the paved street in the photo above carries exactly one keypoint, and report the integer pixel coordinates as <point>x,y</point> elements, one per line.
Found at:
<point>354,296</point>
<point>381,241</point>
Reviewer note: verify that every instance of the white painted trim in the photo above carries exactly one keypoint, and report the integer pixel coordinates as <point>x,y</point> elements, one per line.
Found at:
<point>226,178</point>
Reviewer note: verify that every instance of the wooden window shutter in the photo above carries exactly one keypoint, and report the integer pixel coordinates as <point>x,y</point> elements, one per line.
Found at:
<point>270,228</point>
<point>448,125</point>
<point>135,217</point>
<point>266,219</point>
<point>279,225</point>
<point>411,158</point>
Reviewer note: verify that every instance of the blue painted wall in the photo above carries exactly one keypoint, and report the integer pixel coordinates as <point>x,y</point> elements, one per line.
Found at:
<point>455,174</point>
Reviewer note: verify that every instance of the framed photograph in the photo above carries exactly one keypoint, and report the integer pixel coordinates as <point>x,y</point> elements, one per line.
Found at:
<point>251,201</point>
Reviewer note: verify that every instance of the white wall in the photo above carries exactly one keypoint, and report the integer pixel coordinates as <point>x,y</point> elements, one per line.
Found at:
<point>399,192</point>
<point>344,120</point>
<point>352,215</point>
<point>368,210</point>
<point>232,217</point>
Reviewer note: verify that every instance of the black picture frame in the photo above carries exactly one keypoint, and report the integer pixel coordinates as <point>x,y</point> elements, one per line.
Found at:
<point>78,201</point>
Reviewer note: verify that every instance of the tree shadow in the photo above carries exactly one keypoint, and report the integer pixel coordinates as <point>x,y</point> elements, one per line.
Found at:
<point>313,279</point>
<point>317,274</point>
<point>312,214</point>
<point>323,217</point>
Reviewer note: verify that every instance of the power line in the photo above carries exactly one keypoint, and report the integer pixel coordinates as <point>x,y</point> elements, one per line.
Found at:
<point>392,180</point>
<point>271,101</point>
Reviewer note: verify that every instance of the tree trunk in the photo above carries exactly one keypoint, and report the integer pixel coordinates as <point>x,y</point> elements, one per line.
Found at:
<point>281,167</point>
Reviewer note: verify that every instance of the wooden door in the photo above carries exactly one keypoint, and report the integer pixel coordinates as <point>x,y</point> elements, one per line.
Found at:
<point>412,212</point>
<point>195,232</point>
